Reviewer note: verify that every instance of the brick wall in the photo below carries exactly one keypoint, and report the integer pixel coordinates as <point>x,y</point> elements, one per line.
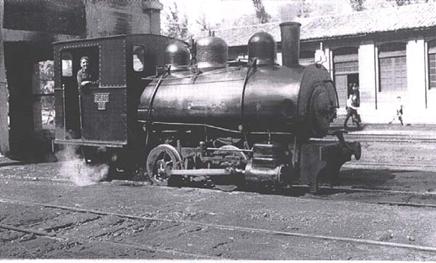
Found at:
<point>121,17</point>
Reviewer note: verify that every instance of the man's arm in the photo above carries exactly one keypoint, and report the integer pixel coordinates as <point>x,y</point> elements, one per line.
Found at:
<point>84,83</point>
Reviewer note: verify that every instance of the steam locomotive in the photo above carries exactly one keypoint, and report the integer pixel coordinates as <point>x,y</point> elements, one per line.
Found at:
<point>201,116</point>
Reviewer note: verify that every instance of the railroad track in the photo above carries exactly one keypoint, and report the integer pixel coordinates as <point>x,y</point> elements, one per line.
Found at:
<point>326,192</point>
<point>180,222</point>
<point>136,246</point>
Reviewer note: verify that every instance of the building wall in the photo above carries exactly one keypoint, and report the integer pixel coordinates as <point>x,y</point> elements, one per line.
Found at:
<point>418,101</point>
<point>121,17</point>
<point>430,93</point>
<point>36,24</point>
<point>4,95</point>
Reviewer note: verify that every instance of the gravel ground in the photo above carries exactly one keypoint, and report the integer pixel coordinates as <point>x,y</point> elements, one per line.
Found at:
<point>87,235</point>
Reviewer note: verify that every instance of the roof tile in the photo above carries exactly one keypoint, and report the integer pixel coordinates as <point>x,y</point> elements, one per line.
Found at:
<point>419,16</point>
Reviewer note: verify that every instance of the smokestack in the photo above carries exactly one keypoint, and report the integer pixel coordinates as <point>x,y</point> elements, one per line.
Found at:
<point>290,32</point>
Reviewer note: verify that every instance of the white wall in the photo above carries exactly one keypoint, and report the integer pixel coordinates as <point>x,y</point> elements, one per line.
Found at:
<point>419,103</point>
<point>368,83</point>
<point>415,103</point>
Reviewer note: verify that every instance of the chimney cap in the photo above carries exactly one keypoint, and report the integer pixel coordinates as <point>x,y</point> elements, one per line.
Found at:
<point>290,23</point>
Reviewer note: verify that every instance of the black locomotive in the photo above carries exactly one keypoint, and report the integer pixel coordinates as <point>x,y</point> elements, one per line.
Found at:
<point>201,116</point>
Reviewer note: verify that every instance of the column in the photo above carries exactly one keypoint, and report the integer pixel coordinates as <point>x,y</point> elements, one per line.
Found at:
<point>4,94</point>
<point>414,105</point>
<point>367,76</point>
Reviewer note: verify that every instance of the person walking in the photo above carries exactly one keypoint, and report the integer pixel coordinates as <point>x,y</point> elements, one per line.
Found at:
<point>353,104</point>
<point>399,112</point>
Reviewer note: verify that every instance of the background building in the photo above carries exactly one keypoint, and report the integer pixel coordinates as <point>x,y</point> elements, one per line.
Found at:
<point>389,52</point>
<point>28,29</point>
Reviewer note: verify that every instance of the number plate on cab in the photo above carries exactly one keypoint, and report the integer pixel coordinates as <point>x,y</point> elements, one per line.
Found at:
<point>101,99</point>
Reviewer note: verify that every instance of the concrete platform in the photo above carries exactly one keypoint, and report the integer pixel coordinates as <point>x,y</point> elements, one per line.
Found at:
<point>418,131</point>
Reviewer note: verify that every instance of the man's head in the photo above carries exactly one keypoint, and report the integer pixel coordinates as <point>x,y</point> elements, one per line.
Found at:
<point>355,86</point>
<point>84,62</point>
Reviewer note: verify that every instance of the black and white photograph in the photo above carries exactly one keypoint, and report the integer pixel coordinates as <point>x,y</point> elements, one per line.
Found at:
<point>218,130</point>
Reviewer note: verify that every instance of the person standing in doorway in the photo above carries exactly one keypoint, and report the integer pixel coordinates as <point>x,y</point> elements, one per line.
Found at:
<point>353,104</point>
<point>84,77</point>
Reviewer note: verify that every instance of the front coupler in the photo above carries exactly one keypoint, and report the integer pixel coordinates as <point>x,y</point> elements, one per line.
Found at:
<point>324,158</point>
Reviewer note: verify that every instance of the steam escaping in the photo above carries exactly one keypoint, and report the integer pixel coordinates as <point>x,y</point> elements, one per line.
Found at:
<point>77,170</point>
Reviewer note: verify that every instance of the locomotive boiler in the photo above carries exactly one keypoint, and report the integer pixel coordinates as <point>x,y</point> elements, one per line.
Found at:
<point>201,117</point>
<point>253,120</point>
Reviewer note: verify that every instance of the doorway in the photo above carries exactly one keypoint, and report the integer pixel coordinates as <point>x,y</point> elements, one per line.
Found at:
<point>343,86</point>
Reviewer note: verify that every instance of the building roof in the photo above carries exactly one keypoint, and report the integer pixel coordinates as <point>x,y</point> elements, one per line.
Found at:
<point>410,17</point>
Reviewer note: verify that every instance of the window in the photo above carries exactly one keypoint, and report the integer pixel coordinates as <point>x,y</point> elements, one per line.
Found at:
<point>43,92</point>
<point>67,64</point>
<point>346,67</point>
<point>345,60</point>
<point>432,65</point>
<point>392,67</point>
<point>138,58</point>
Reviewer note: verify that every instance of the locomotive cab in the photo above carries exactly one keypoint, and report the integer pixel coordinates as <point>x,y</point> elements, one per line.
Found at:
<point>102,113</point>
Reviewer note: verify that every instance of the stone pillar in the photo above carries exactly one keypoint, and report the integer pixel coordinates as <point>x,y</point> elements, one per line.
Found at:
<point>152,9</point>
<point>415,104</point>
<point>367,79</point>
<point>328,63</point>
<point>4,93</point>
<point>105,18</point>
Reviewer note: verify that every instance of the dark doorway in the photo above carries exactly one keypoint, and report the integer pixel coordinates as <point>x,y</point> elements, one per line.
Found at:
<point>351,79</point>
<point>74,110</point>
<point>19,68</point>
<point>20,59</point>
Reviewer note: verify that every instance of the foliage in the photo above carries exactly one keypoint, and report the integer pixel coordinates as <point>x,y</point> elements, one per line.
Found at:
<point>46,70</point>
<point>300,8</point>
<point>357,5</point>
<point>261,13</point>
<point>205,24</point>
<point>176,24</point>
<point>409,2</point>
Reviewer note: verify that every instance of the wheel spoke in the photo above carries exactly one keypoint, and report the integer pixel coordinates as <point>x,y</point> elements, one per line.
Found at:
<point>160,161</point>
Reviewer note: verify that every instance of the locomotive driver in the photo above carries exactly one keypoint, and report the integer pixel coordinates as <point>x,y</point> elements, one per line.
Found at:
<point>84,77</point>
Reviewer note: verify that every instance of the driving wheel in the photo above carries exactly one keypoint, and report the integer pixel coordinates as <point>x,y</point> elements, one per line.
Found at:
<point>160,161</point>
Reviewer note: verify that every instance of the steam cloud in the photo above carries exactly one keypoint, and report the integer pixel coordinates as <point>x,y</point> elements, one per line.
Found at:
<point>77,170</point>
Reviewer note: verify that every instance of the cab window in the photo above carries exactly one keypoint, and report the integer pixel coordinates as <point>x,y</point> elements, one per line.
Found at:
<point>138,58</point>
<point>67,64</point>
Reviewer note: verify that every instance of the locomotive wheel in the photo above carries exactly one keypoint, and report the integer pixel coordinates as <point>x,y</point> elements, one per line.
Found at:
<point>160,161</point>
